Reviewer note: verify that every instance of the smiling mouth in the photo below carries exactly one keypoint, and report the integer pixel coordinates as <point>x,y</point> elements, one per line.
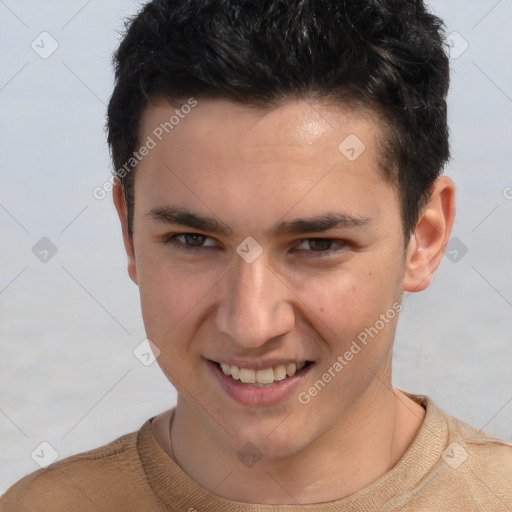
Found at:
<point>263,377</point>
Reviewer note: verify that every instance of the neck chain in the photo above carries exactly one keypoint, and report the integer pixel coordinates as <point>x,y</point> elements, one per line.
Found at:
<point>392,440</point>
<point>171,423</point>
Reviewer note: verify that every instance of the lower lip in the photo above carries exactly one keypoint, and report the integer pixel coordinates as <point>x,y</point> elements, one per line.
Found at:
<point>249,394</point>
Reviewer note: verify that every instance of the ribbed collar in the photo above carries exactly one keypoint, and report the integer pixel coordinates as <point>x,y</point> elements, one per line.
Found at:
<point>179,492</point>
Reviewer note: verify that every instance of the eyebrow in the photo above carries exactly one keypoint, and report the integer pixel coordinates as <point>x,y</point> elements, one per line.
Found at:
<point>330,220</point>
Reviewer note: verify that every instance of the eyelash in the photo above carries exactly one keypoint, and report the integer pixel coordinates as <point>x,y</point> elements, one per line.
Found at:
<point>171,239</point>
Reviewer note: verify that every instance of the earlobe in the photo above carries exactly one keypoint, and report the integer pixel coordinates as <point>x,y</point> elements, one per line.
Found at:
<point>122,212</point>
<point>428,242</point>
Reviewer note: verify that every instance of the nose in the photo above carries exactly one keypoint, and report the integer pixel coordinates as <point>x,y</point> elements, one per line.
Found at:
<point>256,305</point>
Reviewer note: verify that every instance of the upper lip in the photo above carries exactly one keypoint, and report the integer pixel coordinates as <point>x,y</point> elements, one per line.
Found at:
<point>259,364</point>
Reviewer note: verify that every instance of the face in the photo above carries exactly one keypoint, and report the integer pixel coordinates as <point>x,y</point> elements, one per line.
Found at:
<point>262,239</point>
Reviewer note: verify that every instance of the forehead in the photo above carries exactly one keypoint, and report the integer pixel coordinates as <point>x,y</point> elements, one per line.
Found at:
<point>230,157</point>
<point>297,124</point>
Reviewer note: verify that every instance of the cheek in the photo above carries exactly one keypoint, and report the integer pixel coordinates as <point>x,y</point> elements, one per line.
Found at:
<point>345,302</point>
<point>170,297</point>
<point>348,311</point>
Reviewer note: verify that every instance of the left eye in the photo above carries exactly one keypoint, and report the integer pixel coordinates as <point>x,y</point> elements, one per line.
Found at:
<point>321,246</point>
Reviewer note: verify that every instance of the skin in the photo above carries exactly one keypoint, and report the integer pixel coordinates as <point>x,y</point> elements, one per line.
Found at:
<point>251,169</point>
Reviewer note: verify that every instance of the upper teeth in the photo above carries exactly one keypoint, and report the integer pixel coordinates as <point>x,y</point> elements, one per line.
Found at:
<point>265,376</point>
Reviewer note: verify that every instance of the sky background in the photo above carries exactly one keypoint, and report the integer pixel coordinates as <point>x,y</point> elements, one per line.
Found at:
<point>69,325</point>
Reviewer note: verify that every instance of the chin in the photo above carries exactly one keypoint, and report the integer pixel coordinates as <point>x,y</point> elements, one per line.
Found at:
<point>270,439</point>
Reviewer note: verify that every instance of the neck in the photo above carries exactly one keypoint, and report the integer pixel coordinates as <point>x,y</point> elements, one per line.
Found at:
<point>364,445</point>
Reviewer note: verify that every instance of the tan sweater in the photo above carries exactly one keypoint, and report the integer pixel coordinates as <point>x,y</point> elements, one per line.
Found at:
<point>134,474</point>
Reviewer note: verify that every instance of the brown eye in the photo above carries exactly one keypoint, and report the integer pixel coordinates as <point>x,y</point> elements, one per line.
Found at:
<point>194,239</point>
<point>320,244</point>
<point>190,241</point>
<point>321,247</point>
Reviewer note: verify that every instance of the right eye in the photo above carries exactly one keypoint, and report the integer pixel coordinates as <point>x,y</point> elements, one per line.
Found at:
<point>188,241</point>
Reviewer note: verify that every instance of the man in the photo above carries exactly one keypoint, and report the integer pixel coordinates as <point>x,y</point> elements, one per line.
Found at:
<point>279,189</point>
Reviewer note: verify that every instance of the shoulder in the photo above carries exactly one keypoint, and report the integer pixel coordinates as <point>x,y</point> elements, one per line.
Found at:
<point>479,465</point>
<point>456,466</point>
<point>480,448</point>
<point>83,480</point>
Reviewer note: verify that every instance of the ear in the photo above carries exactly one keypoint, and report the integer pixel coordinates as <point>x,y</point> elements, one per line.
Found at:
<point>122,211</point>
<point>428,242</point>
